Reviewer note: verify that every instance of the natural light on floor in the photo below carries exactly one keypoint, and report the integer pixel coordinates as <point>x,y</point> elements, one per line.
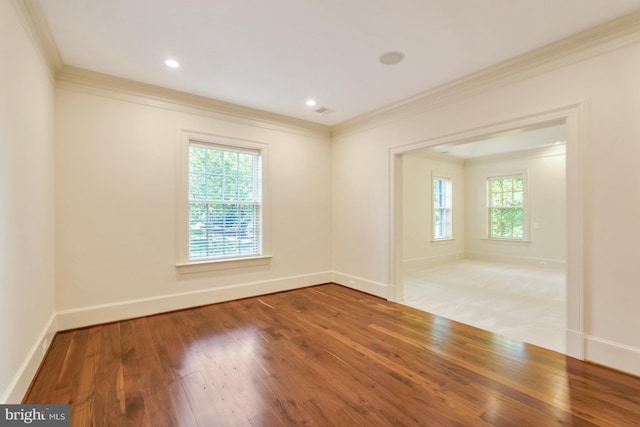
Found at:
<point>523,302</point>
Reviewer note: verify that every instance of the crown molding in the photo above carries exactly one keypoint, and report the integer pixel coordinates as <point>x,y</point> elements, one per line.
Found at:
<point>86,81</point>
<point>38,29</point>
<point>590,43</point>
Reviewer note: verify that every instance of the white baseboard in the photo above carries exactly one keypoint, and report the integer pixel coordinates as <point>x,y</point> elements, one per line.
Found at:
<point>535,262</point>
<point>575,344</point>
<point>430,260</point>
<point>87,316</point>
<point>368,286</point>
<point>20,382</point>
<point>614,355</point>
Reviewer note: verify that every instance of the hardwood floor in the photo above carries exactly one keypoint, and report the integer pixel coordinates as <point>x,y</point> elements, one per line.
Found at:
<point>325,356</point>
<point>524,302</point>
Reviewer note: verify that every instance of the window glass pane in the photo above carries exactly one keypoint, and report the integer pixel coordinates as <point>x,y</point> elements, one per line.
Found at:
<point>442,208</point>
<point>518,198</point>
<point>230,162</point>
<point>245,189</point>
<point>518,217</point>
<point>214,161</point>
<point>197,186</point>
<point>506,198</point>
<point>507,229</point>
<point>246,164</point>
<point>197,232</point>
<point>518,184</point>
<point>517,232</point>
<point>214,187</point>
<point>230,191</point>
<point>224,219</point>
<point>197,159</point>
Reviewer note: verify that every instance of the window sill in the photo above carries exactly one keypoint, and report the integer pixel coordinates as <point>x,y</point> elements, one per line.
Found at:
<point>442,241</point>
<point>222,264</point>
<point>517,242</point>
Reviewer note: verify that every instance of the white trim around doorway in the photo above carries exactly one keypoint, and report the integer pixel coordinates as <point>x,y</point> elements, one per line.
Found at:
<point>571,115</point>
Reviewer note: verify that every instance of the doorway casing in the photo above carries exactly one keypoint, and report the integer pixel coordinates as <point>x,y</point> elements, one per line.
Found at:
<point>571,116</point>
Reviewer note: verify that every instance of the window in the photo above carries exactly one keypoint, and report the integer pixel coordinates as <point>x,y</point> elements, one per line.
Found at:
<point>506,207</point>
<point>224,202</point>
<point>222,209</point>
<point>442,214</point>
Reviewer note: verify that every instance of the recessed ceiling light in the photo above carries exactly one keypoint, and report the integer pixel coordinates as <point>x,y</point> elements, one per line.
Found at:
<point>172,63</point>
<point>392,58</point>
<point>311,102</point>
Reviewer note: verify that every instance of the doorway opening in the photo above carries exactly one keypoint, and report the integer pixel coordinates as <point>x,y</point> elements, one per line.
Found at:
<point>487,228</point>
<point>484,234</point>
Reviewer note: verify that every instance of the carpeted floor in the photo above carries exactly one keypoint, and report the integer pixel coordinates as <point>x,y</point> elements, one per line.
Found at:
<point>519,301</point>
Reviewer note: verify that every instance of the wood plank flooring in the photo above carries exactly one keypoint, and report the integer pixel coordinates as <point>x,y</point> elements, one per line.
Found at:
<point>524,302</point>
<point>321,356</point>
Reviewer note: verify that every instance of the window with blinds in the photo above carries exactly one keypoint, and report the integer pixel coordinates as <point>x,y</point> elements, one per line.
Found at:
<point>506,207</point>
<point>225,202</point>
<point>442,209</point>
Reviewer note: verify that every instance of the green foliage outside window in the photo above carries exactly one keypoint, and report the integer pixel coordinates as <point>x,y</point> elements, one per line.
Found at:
<point>506,207</point>
<point>224,200</point>
<point>442,208</point>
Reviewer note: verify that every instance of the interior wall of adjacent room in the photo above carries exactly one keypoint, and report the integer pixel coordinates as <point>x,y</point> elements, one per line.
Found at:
<point>116,204</point>
<point>419,171</point>
<point>545,200</point>
<point>608,87</point>
<point>26,198</point>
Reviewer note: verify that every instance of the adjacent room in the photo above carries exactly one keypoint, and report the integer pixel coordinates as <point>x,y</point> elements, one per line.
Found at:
<point>484,233</point>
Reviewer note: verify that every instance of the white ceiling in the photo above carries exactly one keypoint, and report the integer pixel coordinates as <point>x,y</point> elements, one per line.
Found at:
<point>506,142</point>
<point>275,54</point>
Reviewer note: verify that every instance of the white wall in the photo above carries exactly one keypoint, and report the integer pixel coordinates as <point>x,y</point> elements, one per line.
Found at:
<point>26,205</point>
<point>116,206</point>
<point>545,184</point>
<point>609,87</point>
<point>418,245</point>
<point>546,237</point>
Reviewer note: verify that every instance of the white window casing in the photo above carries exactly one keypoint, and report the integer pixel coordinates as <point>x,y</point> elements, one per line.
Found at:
<point>222,203</point>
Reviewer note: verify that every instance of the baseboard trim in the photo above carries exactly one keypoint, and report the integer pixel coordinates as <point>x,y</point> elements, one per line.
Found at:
<point>87,316</point>
<point>614,355</point>
<point>575,344</point>
<point>360,284</point>
<point>535,262</point>
<point>431,260</point>
<point>21,381</point>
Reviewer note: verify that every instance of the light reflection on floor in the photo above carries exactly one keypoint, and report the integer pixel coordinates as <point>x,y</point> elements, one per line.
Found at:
<point>518,301</point>
<point>225,372</point>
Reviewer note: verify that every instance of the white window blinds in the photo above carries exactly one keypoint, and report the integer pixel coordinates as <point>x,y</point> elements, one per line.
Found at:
<point>225,202</point>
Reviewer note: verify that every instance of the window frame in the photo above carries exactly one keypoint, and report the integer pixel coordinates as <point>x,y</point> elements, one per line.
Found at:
<point>183,263</point>
<point>449,198</point>
<point>525,206</point>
